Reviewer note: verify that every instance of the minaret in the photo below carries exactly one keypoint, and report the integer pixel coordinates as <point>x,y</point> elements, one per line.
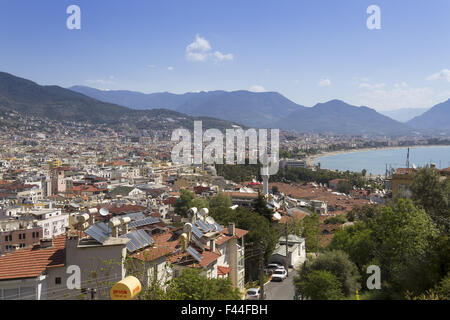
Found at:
<point>265,177</point>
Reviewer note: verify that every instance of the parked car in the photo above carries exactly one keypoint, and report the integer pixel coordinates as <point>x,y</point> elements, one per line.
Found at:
<point>271,267</point>
<point>279,275</point>
<point>253,294</point>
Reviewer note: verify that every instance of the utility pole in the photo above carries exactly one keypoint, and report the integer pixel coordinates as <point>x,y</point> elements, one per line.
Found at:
<point>92,291</point>
<point>287,248</point>
<point>261,270</point>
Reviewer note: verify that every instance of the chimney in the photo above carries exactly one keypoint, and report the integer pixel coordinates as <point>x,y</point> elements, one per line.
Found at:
<point>212,245</point>
<point>231,229</point>
<point>46,243</point>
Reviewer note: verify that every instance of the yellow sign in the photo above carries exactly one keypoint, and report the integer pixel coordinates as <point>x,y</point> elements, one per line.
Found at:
<point>126,289</point>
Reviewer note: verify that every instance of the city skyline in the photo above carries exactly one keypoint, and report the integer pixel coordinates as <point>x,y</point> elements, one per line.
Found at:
<point>310,52</point>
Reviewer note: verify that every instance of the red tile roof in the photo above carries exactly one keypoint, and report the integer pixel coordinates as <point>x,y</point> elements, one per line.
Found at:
<point>221,270</point>
<point>31,262</point>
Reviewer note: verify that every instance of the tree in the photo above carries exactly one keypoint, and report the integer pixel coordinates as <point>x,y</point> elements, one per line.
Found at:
<point>320,285</point>
<point>403,236</point>
<point>310,231</point>
<point>339,264</point>
<point>363,172</point>
<point>275,190</point>
<point>184,202</point>
<point>339,219</point>
<point>344,187</point>
<point>192,285</point>
<point>259,205</point>
<point>432,193</point>
<point>220,200</point>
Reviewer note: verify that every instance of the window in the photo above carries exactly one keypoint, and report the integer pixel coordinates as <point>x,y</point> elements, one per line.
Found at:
<point>24,235</point>
<point>20,236</point>
<point>58,280</point>
<point>6,238</point>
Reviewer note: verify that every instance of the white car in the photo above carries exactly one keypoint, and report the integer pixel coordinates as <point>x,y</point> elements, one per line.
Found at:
<point>271,267</point>
<point>279,275</point>
<point>253,294</point>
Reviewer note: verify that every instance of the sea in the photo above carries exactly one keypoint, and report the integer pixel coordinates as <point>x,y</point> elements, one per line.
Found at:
<point>375,161</point>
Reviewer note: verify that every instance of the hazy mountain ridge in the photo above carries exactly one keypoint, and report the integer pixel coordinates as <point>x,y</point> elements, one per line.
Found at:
<point>249,108</point>
<point>57,103</point>
<point>339,117</point>
<point>436,118</point>
<point>271,109</point>
<point>404,114</point>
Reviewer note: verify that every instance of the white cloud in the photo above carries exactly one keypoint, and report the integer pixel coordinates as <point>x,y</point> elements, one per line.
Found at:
<point>257,88</point>
<point>324,83</point>
<point>200,50</point>
<point>170,68</point>
<point>443,74</point>
<point>151,66</point>
<point>366,85</point>
<point>221,57</point>
<point>399,95</point>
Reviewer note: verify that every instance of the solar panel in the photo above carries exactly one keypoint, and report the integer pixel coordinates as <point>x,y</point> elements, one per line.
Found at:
<point>134,215</point>
<point>138,240</point>
<point>143,222</point>
<point>197,256</point>
<point>218,227</point>
<point>104,227</point>
<point>203,225</point>
<point>97,232</point>
<point>198,242</point>
<point>144,235</point>
<point>197,232</point>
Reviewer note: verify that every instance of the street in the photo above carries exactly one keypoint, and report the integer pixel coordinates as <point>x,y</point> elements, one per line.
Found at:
<point>284,290</point>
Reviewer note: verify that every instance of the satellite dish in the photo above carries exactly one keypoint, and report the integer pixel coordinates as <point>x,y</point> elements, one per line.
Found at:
<point>104,212</point>
<point>210,220</point>
<point>277,216</point>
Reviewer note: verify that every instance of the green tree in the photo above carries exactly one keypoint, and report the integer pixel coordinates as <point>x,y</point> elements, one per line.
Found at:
<point>184,202</point>
<point>403,236</point>
<point>320,285</point>
<point>220,200</point>
<point>431,192</point>
<point>339,219</point>
<point>339,264</point>
<point>259,205</point>
<point>344,187</point>
<point>192,285</point>
<point>311,233</point>
<point>275,190</point>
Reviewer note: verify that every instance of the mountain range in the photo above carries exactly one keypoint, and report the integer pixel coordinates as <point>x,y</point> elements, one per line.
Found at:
<point>262,109</point>
<point>217,109</point>
<point>57,103</point>
<point>437,118</point>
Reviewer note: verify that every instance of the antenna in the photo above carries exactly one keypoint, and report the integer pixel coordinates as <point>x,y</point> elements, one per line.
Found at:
<point>407,159</point>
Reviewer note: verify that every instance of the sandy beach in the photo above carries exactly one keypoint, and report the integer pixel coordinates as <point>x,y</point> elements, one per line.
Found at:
<point>310,160</point>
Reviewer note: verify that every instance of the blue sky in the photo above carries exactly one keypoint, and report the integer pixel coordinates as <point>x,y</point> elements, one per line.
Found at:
<point>309,51</point>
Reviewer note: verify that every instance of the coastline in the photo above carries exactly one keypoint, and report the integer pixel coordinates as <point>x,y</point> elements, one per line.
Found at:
<point>311,159</point>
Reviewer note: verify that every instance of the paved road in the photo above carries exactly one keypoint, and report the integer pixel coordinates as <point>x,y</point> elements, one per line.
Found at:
<point>284,290</point>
